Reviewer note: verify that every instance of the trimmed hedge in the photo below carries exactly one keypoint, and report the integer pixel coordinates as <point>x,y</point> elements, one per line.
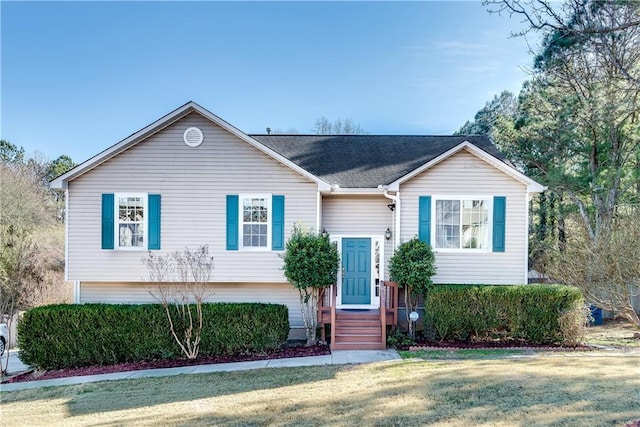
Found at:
<point>529,313</point>
<point>67,336</point>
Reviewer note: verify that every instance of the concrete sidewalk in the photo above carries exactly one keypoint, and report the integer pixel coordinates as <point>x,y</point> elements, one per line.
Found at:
<point>15,364</point>
<point>338,357</point>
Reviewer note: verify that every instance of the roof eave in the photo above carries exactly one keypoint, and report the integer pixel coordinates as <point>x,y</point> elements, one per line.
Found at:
<point>335,190</point>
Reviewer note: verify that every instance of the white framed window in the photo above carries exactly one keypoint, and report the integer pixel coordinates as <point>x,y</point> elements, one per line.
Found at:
<point>462,223</point>
<point>131,221</point>
<point>255,221</point>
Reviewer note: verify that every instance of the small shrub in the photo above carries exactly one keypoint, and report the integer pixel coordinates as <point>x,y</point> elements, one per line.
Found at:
<point>412,266</point>
<point>310,264</point>
<point>398,339</point>
<point>573,324</point>
<point>67,336</point>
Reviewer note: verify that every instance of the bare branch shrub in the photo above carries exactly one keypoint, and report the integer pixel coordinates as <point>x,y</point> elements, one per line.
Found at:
<point>573,324</point>
<point>607,269</point>
<point>180,284</point>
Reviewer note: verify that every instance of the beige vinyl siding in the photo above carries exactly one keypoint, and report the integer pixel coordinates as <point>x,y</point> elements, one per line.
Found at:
<point>140,293</point>
<point>359,216</point>
<point>464,174</point>
<point>193,183</point>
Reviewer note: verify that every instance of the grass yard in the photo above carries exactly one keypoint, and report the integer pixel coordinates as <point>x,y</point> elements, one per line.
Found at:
<point>464,354</point>
<point>592,389</point>
<point>614,333</point>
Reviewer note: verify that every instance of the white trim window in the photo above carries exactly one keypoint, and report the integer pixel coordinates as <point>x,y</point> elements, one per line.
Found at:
<point>462,223</point>
<point>131,219</point>
<point>255,221</point>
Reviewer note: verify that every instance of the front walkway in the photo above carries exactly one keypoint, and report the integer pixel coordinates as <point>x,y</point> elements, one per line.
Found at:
<point>337,357</point>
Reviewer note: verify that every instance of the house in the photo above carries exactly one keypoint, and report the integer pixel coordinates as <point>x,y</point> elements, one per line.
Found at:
<point>190,178</point>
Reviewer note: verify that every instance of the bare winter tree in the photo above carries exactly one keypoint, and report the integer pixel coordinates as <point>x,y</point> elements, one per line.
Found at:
<point>576,129</point>
<point>607,270</point>
<point>324,126</point>
<point>31,240</point>
<point>575,24</point>
<point>179,283</point>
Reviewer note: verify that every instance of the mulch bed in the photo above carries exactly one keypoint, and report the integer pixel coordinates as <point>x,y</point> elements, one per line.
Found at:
<point>495,344</point>
<point>286,352</point>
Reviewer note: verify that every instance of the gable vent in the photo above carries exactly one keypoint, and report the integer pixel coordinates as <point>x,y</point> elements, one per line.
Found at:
<point>193,137</point>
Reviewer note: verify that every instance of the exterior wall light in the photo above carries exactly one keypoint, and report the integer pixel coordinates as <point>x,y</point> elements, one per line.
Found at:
<point>387,234</point>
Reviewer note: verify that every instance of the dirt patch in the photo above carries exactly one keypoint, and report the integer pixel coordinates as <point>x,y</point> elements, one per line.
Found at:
<point>287,352</point>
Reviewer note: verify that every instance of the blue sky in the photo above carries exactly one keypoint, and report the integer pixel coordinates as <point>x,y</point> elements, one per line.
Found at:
<point>77,77</point>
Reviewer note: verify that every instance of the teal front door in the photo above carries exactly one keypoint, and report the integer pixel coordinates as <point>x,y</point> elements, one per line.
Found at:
<point>356,271</point>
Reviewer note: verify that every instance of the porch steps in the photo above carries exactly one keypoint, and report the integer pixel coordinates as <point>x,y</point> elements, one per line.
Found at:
<point>358,330</point>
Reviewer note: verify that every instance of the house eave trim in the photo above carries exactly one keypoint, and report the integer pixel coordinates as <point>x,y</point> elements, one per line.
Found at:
<point>357,191</point>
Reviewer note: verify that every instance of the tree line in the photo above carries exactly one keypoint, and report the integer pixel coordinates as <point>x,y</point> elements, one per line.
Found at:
<point>574,126</point>
<point>31,231</point>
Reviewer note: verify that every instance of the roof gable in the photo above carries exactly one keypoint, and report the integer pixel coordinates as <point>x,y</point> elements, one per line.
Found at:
<point>509,170</point>
<point>135,138</point>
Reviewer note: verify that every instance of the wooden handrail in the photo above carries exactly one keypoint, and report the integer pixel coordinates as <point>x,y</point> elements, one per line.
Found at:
<point>332,301</point>
<point>383,312</point>
<point>393,289</point>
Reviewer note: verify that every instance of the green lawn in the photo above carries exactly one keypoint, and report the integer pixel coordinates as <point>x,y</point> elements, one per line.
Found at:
<point>550,389</point>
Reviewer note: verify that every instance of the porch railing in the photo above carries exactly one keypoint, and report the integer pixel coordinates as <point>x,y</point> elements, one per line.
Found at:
<point>389,300</point>
<point>388,307</point>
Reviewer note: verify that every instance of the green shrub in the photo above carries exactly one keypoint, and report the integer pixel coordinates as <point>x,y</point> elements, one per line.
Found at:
<point>66,336</point>
<point>310,263</point>
<point>529,313</point>
<point>412,266</point>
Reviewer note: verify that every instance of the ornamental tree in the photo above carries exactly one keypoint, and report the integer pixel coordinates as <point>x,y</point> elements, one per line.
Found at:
<point>412,266</point>
<point>310,264</point>
<point>180,283</point>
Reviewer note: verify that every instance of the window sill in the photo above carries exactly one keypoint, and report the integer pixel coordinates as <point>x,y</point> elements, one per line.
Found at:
<point>462,251</point>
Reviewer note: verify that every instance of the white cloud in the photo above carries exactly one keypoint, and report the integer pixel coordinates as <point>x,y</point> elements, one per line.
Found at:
<point>451,48</point>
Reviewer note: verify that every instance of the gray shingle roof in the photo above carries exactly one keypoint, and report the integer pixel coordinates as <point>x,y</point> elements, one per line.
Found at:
<point>366,161</point>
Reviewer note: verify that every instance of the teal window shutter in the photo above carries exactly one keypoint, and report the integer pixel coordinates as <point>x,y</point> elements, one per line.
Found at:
<point>499,222</point>
<point>277,223</point>
<point>108,221</point>
<point>154,222</point>
<point>424,219</point>
<point>232,222</point>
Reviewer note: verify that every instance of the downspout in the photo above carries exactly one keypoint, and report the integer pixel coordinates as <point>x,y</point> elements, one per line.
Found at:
<point>76,283</point>
<point>318,212</point>
<point>526,238</point>
<point>76,292</point>
<point>66,234</point>
<point>396,214</point>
